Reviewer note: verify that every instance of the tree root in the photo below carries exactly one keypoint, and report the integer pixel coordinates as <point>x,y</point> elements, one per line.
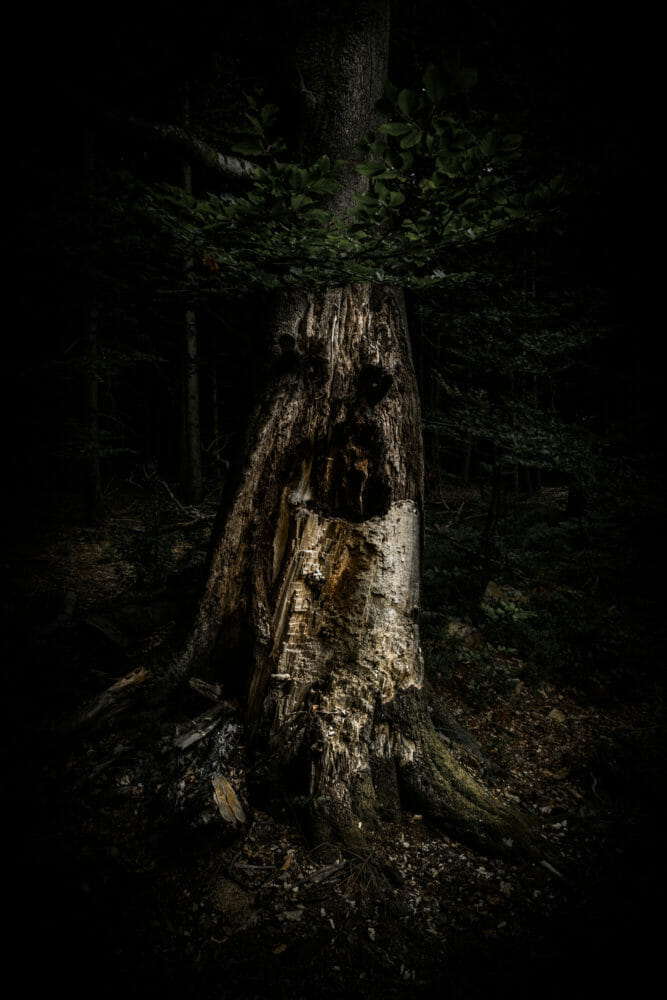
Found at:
<point>421,775</point>
<point>435,784</point>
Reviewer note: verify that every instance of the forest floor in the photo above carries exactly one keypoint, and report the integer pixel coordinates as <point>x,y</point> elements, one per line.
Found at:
<point>113,897</point>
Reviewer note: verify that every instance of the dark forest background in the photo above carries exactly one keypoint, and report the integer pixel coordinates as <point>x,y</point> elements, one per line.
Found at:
<point>541,370</point>
<point>541,379</point>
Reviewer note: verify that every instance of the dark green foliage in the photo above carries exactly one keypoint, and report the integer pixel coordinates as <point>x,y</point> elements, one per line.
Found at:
<point>440,175</point>
<point>564,599</point>
<point>436,182</point>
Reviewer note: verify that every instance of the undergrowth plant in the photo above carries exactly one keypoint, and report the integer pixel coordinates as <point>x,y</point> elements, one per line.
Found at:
<point>553,606</point>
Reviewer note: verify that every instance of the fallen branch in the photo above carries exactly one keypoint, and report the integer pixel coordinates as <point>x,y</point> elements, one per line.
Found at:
<point>211,691</point>
<point>111,700</point>
<point>199,728</point>
<point>230,167</point>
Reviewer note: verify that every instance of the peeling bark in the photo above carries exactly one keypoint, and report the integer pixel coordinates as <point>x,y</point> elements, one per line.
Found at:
<point>310,613</point>
<point>314,578</point>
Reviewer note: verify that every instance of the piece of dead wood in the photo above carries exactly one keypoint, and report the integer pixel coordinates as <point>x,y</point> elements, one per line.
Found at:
<point>227,800</point>
<point>323,874</point>
<point>199,727</point>
<point>111,700</point>
<point>211,691</point>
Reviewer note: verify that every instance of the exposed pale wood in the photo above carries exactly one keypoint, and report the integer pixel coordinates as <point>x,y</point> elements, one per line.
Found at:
<point>199,728</point>
<point>320,553</point>
<point>211,691</point>
<point>233,168</point>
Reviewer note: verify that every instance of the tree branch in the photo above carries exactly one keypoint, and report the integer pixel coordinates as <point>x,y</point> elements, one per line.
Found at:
<point>231,167</point>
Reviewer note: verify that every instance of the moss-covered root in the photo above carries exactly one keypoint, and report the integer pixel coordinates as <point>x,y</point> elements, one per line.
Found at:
<point>434,782</point>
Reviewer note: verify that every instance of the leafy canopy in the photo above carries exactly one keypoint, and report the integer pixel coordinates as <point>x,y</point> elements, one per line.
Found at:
<point>436,180</point>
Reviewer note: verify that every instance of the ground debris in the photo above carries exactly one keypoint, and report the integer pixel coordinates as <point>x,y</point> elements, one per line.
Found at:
<point>242,900</point>
<point>199,727</point>
<point>227,801</point>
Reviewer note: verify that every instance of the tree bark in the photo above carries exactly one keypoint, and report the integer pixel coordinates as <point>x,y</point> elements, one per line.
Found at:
<point>92,487</point>
<point>191,462</point>
<point>310,612</point>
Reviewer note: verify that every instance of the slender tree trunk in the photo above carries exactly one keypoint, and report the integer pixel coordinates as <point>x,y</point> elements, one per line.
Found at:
<point>215,428</point>
<point>191,431</point>
<point>92,489</point>
<point>191,459</point>
<point>92,499</point>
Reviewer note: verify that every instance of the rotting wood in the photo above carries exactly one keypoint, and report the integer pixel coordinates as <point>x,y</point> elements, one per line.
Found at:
<point>111,700</point>
<point>211,691</point>
<point>323,874</point>
<point>200,727</point>
<point>316,568</point>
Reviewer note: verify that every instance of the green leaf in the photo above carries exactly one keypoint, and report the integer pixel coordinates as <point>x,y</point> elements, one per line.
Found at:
<point>370,169</point>
<point>324,185</point>
<point>365,200</point>
<point>407,101</point>
<point>511,141</point>
<point>298,177</point>
<point>395,128</point>
<point>317,215</point>
<point>256,124</point>
<point>298,201</point>
<point>396,198</point>
<point>269,113</point>
<point>412,138</point>
<point>378,149</point>
<point>489,144</point>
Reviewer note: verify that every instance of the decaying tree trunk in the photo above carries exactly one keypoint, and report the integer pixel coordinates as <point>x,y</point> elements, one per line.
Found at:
<point>310,613</point>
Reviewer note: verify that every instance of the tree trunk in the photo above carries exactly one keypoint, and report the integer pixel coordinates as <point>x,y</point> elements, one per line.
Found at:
<point>191,437</point>
<point>310,613</point>
<point>92,486</point>
<point>191,463</point>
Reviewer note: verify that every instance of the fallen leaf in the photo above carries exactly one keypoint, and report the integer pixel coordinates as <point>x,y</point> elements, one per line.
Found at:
<point>227,801</point>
